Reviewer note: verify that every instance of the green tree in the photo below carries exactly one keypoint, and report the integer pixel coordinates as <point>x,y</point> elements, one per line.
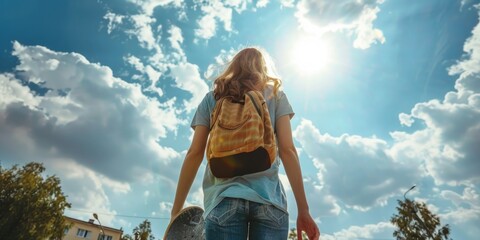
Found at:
<point>31,206</point>
<point>415,222</point>
<point>292,235</point>
<point>127,237</point>
<point>144,231</point>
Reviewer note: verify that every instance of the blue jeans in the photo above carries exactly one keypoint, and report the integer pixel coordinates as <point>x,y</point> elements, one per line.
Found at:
<point>235,219</point>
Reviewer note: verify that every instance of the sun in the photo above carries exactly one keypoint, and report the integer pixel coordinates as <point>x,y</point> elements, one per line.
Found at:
<point>310,55</point>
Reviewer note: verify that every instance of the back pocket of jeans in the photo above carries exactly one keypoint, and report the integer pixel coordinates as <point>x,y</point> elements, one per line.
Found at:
<point>275,215</point>
<point>224,211</point>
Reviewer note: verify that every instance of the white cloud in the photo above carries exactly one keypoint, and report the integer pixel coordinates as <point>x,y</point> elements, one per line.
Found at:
<point>152,74</point>
<point>446,148</point>
<point>113,21</point>
<point>464,3</point>
<point>12,91</point>
<point>237,5</point>
<point>148,6</point>
<point>262,3</point>
<point>207,28</point>
<point>52,64</point>
<point>366,33</point>
<point>101,135</point>
<point>449,142</point>
<point>208,22</point>
<point>380,230</point>
<point>188,78</point>
<point>287,3</point>
<point>195,198</point>
<point>405,119</point>
<point>86,190</point>
<point>165,207</point>
<point>471,63</point>
<point>143,31</point>
<point>320,202</point>
<point>176,40</point>
<point>98,121</point>
<point>465,216</point>
<point>469,196</point>
<point>355,17</point>
<point>137,64</point>
<point>217,11</point>
<point>354,164</point>
<point>462,216</point>
<point>185,74</point>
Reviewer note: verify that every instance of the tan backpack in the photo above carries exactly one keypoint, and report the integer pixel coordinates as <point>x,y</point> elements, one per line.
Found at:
<point>241,137</point>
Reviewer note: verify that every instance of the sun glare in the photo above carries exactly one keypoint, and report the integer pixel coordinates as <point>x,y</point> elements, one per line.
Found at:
<point>310,55</point>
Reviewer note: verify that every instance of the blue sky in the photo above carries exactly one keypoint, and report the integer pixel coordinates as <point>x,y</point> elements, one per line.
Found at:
<point>386,95</point>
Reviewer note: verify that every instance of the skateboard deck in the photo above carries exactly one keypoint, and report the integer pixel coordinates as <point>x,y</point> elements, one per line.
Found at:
<point>188,224</point>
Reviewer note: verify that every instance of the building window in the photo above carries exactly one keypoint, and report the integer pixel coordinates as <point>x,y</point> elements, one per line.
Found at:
<point>104,237</point>
<point>83,233</point>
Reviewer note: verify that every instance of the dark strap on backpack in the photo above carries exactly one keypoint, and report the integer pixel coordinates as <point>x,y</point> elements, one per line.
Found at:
<point>256,104</point>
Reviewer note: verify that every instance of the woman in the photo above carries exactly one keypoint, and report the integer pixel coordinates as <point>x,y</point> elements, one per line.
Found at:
<point>252,205</point>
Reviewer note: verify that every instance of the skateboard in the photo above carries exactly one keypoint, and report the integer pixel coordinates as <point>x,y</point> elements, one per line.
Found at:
<point>188,224</point>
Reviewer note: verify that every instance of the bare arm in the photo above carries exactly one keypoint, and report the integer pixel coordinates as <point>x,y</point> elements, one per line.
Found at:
<point>190,166</point>
<point>289,156</point>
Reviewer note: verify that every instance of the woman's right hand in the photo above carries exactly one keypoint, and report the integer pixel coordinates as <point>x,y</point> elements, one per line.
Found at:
<point>305,223</point>
<point>174,213</point>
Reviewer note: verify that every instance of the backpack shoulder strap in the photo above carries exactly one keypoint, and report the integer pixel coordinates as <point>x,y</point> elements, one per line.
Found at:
<point>216,112</point>
<point>255,102</point>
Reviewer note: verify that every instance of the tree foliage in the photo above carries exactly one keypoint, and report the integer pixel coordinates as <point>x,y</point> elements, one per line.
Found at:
<point>415,222</point>
<point>292,235</point>
<point>31,206</point>
<point>127,237</point>
<point>144,231</point>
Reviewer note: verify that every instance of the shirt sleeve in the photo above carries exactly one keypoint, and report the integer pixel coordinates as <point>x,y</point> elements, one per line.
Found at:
<point>202,115</point>
<point>283,106</point>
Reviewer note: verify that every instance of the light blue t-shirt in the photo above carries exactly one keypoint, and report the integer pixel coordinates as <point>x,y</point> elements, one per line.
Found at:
<point>262,187</point>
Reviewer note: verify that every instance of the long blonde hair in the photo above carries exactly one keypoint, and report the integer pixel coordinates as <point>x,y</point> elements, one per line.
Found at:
<point>248,70</point>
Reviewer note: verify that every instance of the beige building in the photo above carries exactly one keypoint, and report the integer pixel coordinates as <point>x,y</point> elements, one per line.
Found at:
<point>91,230</point>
